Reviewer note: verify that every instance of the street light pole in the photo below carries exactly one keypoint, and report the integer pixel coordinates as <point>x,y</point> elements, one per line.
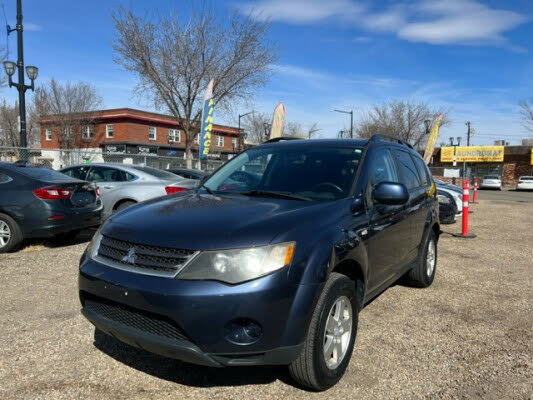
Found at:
<point>240,116</point>
<point>31,71</point>
<point>351,120</point>
<point>454,153</point>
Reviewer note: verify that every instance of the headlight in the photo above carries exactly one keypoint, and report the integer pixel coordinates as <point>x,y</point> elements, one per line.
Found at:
<point>444,199</point>
<point>92,248</point>
<point>235,266</point>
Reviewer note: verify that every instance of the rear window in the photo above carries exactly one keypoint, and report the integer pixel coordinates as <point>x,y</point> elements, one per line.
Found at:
<point>158,173</point>
<point>526,178</point>
<point>491,177</point>
<point>42,174</point>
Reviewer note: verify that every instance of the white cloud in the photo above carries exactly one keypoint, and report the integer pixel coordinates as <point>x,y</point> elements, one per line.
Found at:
<point>429,21</point>
<point>30,26</point>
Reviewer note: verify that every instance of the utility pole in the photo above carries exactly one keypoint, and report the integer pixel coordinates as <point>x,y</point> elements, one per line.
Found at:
<point>467,123</point>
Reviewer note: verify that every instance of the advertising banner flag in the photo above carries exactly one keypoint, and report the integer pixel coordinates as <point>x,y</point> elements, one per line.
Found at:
<point>207,121</point>
<point>432,140</point>
<point>472,153</point>
<point>278,117</point>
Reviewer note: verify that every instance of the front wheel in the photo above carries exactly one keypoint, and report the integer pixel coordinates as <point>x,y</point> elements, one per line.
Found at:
<point>10,234</point>
<point>329,343</point>
<point>423,273</point>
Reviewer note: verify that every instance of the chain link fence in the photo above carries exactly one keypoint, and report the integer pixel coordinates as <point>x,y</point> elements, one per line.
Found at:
<point>61,158</point>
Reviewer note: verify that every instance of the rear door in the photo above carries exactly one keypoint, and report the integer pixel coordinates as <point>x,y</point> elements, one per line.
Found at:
<point>110,181</point>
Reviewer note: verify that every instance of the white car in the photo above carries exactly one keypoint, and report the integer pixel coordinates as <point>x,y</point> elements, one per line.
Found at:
<point>456,196</point>
<point>525,183</point>
<point>491,182</point>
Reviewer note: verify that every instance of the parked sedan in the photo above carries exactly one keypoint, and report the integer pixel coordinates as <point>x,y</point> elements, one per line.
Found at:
<point>525,183</point>
<point>454,191</point>
<point>447,207</point>
<point>189,173</point>
<point>39,202</point>
<point>491,182</point>
<point>122,185</point>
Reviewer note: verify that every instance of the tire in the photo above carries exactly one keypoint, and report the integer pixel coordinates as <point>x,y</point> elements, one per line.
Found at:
<point>422,275</point>
<point>10,234</point>
<point>310,369</point>
<point>123,205</point>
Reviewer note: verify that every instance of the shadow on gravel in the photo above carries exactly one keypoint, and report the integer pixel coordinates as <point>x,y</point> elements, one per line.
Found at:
<point>184,373</point>
<point>70,239</point>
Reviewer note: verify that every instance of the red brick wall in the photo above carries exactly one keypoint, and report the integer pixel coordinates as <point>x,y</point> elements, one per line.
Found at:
<point>127,128</point>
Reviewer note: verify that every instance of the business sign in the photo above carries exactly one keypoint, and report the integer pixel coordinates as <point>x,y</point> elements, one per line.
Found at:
<point>433,134</point>
<point>276,128</point>
<point>451,172</point>
<point>207,121</point>
<point>115,148</point>
<point>472,153</point>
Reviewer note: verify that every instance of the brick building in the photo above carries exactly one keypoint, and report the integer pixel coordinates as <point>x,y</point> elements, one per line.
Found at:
<point>126,131</point>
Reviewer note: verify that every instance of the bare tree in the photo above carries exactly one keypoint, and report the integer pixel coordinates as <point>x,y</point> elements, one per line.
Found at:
<point>293,129</point>
<point>257,127</point>
<point>526,109</point>
<point>175,59</point>
<point>312,130</point>
<point>404,119</point>
<point>9,125</point>
<point>68,105</point>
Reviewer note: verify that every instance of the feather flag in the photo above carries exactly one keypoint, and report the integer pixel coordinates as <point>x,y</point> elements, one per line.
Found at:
<point>207,121</point>
<point>277,121</point>
<point>432,140</point>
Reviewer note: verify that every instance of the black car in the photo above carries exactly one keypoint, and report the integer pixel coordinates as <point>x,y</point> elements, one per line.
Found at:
<point>274,269</point>
<point>447,207</point>
<point>37,202</point>
<point>189,173</point>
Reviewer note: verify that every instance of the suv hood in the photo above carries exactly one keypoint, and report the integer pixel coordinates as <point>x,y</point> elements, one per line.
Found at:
<point>205,222</point>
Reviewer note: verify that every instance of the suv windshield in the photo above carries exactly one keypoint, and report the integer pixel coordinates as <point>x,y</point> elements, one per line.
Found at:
<point>316,173</point>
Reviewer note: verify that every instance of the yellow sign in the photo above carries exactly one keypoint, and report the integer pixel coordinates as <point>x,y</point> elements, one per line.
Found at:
<point>531,162</point>
<point>472,154</point>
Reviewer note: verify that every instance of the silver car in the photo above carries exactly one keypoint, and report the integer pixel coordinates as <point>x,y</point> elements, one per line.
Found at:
<point>491,182</point>
<point>122,185</point>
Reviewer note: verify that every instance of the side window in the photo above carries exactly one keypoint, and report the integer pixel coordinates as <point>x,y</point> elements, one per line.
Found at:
<point>423,172</point>
<point>105,174</point>
<point>406,169</point>
<point>381,168</point>
<point>77,172</point>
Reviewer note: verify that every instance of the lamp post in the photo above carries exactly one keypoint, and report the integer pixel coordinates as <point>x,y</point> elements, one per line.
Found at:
<point>454,145</point>
<point>351,120</point>
<point>31,71</point>
<point>240,116</point>
<point>427,124</point>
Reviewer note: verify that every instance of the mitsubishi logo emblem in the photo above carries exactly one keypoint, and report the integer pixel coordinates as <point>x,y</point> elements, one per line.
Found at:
<point>130,257</point>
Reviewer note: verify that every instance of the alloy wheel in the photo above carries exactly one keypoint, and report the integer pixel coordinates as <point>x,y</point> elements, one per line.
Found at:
<point>5,234</point>
<point>430,258</point>
<point>338,332</point>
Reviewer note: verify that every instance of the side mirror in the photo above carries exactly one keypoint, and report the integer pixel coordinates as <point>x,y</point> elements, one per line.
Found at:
<point>390,193</point>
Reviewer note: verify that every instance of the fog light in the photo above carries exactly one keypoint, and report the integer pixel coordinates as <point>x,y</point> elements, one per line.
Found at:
<point>243,331</point>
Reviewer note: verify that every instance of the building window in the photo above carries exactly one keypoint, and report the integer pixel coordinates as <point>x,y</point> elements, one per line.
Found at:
<point>234,142</point>
<point>88,132</point>
<point>174,135</point>
<point>109,131</point>
<point>197,138</point>
<point>151,133</point>
<point>48,134</point>
<point>220,141</point>
<point>67,131</point>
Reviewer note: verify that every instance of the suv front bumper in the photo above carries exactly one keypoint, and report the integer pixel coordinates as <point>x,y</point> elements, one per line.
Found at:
<point>188,320</point>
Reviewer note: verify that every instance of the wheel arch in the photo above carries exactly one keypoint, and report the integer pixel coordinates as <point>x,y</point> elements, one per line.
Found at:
<point>122,201</point>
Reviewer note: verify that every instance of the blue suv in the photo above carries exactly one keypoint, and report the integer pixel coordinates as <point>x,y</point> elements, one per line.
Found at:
<point>270,260</point>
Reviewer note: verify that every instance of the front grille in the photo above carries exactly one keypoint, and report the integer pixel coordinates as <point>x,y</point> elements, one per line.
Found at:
<point>151,260</point>
<point>132,318</point>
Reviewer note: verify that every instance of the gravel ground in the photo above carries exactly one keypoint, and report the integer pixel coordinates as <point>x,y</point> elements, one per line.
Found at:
<point>467,336</point>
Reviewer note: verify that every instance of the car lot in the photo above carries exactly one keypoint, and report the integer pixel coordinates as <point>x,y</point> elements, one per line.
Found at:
<point>467,336</point>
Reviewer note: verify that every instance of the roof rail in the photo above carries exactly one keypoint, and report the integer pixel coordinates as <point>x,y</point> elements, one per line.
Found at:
<point>390,138</point>
<point>281,138</point>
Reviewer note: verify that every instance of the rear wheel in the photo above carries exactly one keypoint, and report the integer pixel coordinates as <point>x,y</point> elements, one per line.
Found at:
<point>123,205</point>
<point>10,234</point>
<point>329,343</point>
<point>423,273</point>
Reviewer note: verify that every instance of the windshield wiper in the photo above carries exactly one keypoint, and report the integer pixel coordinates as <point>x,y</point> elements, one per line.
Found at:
<point>274,193</point>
